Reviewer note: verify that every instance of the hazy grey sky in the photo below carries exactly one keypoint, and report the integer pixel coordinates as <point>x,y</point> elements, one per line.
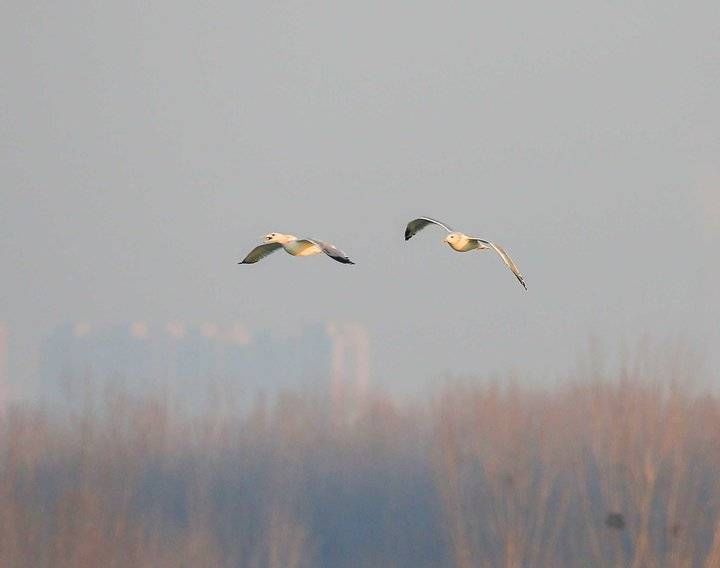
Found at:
<point>147,145</point>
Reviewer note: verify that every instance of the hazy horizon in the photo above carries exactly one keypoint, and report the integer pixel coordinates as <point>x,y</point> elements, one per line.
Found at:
<point>145,148</point>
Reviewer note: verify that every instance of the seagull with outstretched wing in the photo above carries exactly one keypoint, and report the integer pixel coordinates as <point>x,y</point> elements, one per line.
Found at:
<point>460,242</point>
<point>295,247</point>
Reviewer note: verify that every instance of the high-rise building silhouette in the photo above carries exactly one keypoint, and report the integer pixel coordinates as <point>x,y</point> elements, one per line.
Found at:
<point>4,380</point>
<point>350,371</point>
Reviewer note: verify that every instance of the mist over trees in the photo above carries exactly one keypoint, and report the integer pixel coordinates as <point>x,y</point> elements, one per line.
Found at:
<point>594,472</point>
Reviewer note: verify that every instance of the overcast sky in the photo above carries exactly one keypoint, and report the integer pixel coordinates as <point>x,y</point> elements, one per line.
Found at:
<point>145,146</point>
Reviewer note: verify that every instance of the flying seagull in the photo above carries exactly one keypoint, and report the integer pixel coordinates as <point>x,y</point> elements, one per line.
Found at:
<point>460,242</point>
<point>295,247</point>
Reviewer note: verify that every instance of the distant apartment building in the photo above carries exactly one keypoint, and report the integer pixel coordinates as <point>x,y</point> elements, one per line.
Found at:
<point>4,379</point>
<point>330,358</point>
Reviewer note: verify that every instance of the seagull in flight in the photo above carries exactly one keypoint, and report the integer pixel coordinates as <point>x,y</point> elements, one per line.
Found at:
<point>295,247</point>
<point>460,242</point>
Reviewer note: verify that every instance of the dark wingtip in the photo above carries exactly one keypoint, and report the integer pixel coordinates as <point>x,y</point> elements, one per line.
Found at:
<point>342,259</point>
<point>407,236</point>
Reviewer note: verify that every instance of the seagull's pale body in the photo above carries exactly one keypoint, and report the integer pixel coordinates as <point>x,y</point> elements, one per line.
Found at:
<point>295,247</point>
<point>460,242</point>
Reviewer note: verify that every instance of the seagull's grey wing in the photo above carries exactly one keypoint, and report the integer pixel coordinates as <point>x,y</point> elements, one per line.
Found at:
<point>260,252</point>
<point>420,223</point>
<point>333,252</point>
<point>506,260</point>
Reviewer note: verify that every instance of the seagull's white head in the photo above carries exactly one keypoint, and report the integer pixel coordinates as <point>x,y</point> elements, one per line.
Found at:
<point>273,238</point>
<point>278,238</point>
<point>452,238</point>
